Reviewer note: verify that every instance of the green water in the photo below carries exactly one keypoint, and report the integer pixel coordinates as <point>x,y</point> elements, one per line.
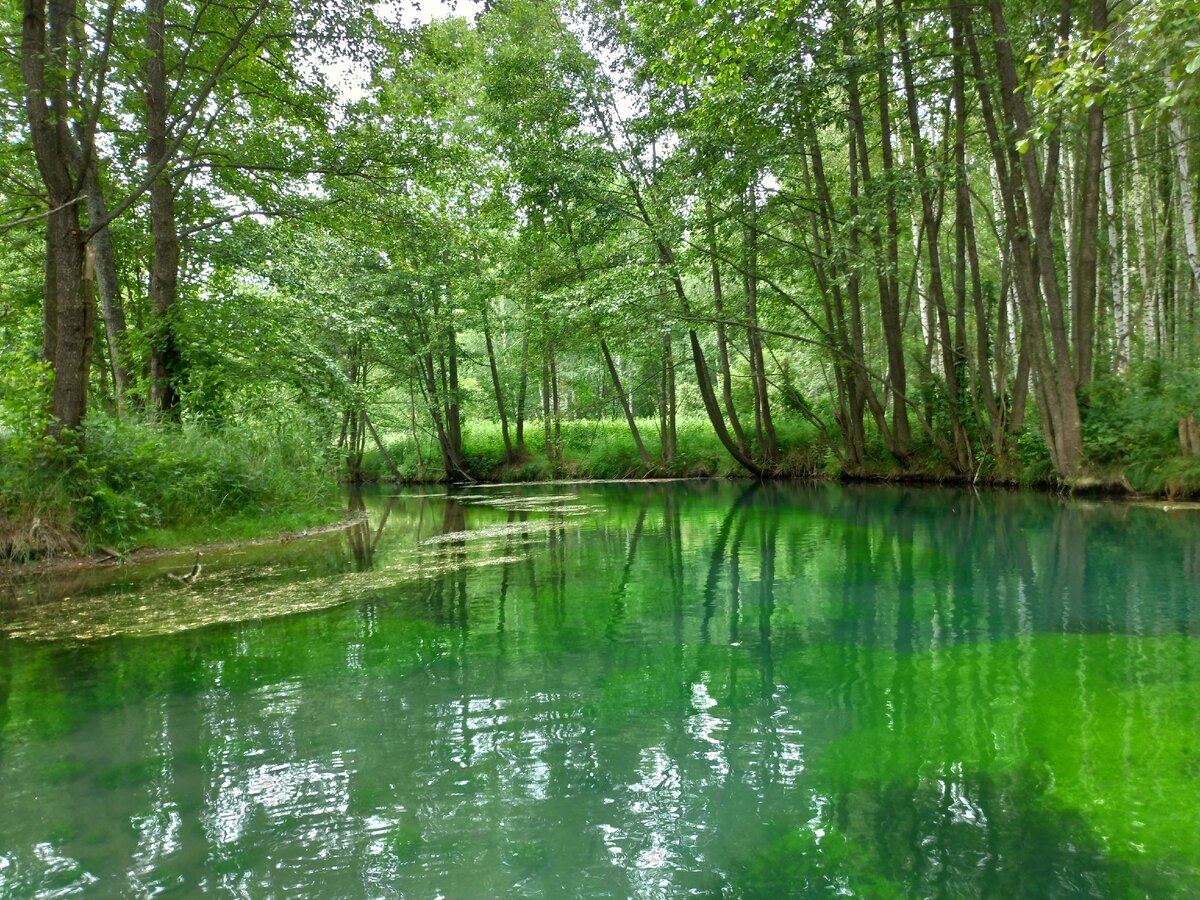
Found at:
<point>696,689</point>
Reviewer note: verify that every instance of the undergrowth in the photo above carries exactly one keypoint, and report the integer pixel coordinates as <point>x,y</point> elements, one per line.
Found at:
<point>127,483</point>
<point>597,449</point>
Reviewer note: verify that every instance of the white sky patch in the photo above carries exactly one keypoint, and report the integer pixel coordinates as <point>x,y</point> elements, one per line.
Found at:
<point>349,76</point>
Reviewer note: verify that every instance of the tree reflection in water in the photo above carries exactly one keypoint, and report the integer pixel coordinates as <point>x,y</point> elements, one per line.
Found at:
<point>636,690</point>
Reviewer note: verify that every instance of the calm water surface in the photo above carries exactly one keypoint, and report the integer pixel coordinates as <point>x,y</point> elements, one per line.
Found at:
<point>666,690</point>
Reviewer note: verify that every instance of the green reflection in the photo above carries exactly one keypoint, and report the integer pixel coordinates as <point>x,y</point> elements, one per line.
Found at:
<point>623,690</point>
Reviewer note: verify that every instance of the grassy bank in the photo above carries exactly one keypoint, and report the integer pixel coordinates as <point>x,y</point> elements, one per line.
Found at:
<point>1128,450</point>
<point>601,449</point>
<point>132,485</point>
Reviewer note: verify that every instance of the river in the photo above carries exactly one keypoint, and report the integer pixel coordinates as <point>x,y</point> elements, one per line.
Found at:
<point>710,689</point>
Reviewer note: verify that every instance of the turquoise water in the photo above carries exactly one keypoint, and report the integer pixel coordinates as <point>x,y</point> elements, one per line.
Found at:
<point>664,690</point>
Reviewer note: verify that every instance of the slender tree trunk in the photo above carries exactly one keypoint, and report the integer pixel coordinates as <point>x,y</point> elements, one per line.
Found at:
<point>667,404</point>
<point>558,454</point>
<point>165,360</point>
<point>522,391</point>
<point>1117,268</point>
<point>1064,430</point>
<point>435,388</point>
<point>1020,392</point>
<point>112,309</point>
<point>546,420</point>
<point>1187,207</point>
<point>889,294</point>
<point>412,412</point>
<point>712,407</point>
<point>849,412</point>
<point>355,421</point>
<point>509,455</point>
<point>450,461</point>
<point>864,393</point>
<point>383,451</point>
<point>962,449</point>
<point>643,455</point>
<point>100,364</point>
<point>764,425</point>
<point>1138,204</point>
<point>1087,253</point>
<point>722,338</point>
<point>966,253</point>
<point>453,402</point>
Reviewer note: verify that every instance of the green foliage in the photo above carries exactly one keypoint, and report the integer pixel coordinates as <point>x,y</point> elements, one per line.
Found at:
<point>1132,424</point>
<point>24,401</point>
<point>129,479</point>
<point>592,448</point>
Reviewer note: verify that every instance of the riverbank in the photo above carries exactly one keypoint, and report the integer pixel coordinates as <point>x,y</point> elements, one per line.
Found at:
<point>130,485</point>
<point>139,487</point>
<point>241,534</point>
<point>604,451</point>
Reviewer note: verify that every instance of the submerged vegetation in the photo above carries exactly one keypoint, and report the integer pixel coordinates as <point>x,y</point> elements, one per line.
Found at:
<point>249,248</point>
<point>716,688</point>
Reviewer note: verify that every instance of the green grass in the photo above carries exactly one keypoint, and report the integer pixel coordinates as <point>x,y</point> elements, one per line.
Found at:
<point>132,484</point>
<point>1133,451</point>
<point>601,449</point>
<point>240,527</point>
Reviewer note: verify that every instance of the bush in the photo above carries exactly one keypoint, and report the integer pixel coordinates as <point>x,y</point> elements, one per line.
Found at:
<point>1131,422</point>
<point>127,478</point>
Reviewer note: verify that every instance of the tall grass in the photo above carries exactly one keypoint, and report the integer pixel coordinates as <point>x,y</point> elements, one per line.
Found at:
<point>600,449</point>
<point>1129,442</point>
<point>128,480</point>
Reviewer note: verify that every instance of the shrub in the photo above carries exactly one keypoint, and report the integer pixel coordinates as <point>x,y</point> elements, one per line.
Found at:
<point>126,478</point>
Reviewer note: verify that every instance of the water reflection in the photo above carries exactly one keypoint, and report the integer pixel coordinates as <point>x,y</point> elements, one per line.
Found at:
<point>712,689</point>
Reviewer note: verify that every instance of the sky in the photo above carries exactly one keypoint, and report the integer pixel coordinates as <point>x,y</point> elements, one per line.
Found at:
<point>349,78</point>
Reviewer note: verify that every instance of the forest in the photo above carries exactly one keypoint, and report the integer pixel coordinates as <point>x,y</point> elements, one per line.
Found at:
<point>250,249</point>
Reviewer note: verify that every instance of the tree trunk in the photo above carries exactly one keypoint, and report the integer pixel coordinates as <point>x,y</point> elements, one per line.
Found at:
<point>112,310</point>
<point>667,404</point>
<point>716,418</point>
<point>848,415</point>
<point>962,449</point>
<point>1143,252</point>
<point>1187,207</point>
<point>722,338</point>
<point>889,296</point>
<point>412,413</point>
<point>1083,322</point>
<point>509,455</point>
<point>1116,265</point>
<point>1052,367</point>
<point>1189,436</point>
<point>764,425</point>
<point>626,408</point>
<point>966,253</point>
<point>165,363</point>
<point>383,451</point>
<point>522,392</point>
<point>546,420</point>
<point>454,404</point>
<point>450,460</point>
<point>558,454</point>
<point>67,305</point>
